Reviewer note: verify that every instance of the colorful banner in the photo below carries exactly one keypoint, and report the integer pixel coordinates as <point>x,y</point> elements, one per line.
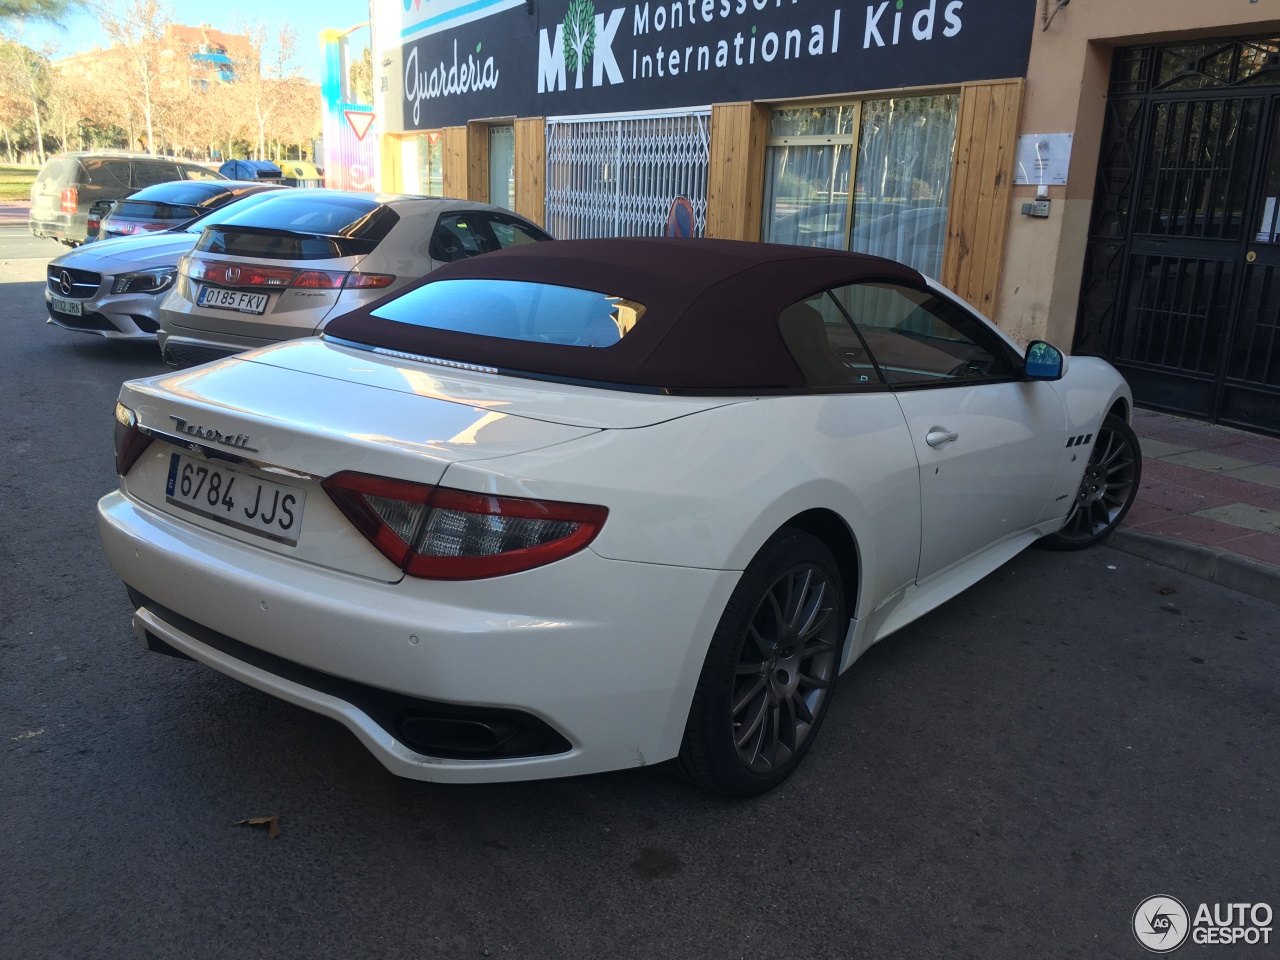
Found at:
<point>350,129</point>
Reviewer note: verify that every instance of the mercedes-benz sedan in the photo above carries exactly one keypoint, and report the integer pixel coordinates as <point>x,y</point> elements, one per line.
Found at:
<point>589,505</point>
<point>113,288</point>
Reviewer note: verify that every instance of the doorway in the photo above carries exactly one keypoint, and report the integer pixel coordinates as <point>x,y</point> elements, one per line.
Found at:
<point>1182,277</point>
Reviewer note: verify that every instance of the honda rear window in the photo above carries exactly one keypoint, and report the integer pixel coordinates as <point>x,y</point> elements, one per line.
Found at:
<point>181,192</point>
<point>145,209</point>
<point>301,226</point>
<point>517,310</point>
<point>304,212</point>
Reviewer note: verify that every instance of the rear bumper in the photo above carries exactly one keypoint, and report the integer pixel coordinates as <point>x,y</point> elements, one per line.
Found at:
<point>606,653</point>
<point>61,227</point>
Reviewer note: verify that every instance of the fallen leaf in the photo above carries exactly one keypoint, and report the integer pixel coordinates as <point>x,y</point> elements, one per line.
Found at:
<point>1167,591</point>
<point>272,824</point>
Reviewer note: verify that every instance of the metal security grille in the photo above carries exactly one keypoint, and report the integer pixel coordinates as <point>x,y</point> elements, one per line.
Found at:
<point>1180,285</point>
<point>616,177</point>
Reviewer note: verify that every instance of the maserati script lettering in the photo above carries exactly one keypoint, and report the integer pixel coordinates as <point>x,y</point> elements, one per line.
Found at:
<point>240,441</point>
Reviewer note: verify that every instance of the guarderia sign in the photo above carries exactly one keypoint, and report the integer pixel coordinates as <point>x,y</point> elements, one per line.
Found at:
<point>557,57</point>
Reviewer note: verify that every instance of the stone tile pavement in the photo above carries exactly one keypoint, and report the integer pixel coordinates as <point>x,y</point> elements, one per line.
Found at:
<point>1208,492</point>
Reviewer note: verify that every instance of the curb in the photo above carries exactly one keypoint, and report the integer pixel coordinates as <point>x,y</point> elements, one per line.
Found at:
<point>1214,564</point>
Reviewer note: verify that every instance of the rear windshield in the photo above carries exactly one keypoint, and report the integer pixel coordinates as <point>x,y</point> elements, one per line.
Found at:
<point>181,192</point>
<point>60,171</point>
<point>220,214</point>
<point>144,209</point>
<point>517,310</point>
<point>301,226</point>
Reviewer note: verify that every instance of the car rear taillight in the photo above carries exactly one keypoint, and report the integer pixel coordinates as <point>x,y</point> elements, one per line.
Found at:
<point>128,228</point>
<point>319,280</point>
<point>231,274</point>
<point>130,441</point>
<point>364,281</point>
<point>70,200</point>
<point>441,534</point>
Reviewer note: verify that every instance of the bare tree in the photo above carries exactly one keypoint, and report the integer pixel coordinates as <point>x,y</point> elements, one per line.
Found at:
<point>139,29</point>
<point>263,73</point>
<point>24,73</point>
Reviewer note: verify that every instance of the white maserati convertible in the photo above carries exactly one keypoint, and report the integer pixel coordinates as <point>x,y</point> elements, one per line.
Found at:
<point>579,506</point>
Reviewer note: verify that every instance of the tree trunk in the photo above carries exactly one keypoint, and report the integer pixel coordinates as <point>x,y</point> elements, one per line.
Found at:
<point>35,112</point>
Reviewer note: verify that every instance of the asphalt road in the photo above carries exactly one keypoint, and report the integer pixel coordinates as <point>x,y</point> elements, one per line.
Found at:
<point>1006,778</point>
<point>16,242</point>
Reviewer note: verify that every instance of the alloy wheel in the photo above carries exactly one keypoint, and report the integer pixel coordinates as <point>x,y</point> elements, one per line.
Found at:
<point>785,668</point>
<point>1107,488</point>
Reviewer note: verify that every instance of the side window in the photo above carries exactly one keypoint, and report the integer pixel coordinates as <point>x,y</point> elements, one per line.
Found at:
<point>825,346</point>
<point>458,236</point>
<point>146,173</point>
<point>510,232</point>
<point>113,174</point>
<point>199,173</point>
<point>918,338</point>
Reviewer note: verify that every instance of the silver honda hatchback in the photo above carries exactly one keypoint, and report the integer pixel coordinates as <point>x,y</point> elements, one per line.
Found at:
<point>295,261</point>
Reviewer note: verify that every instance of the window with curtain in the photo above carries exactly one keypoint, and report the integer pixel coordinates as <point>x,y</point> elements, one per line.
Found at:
<point>895,153</point>
<point>502,165</point>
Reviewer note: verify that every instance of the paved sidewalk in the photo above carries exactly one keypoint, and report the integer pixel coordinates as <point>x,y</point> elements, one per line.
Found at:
<point>14,211</point>
<point>1209,502</point>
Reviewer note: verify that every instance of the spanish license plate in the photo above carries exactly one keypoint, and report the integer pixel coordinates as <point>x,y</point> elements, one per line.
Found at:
<point>238,499</point>
<point>232,300</point>
<point>73,307</point>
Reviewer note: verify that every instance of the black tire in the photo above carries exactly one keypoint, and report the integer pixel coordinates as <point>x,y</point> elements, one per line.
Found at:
<point>1107,489</point>
<point>774,655</point>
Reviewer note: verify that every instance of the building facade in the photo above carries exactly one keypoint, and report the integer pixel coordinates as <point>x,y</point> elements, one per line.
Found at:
<point>1098,174</point>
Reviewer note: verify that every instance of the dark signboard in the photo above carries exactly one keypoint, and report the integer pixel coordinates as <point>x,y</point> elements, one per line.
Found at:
<point>564,57</point>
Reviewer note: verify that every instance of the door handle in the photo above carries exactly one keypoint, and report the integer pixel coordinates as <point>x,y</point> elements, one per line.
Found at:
<point>937,436</point>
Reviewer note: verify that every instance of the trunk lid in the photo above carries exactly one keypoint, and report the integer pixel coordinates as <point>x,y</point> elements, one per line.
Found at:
<point>293,428</point>
<point>550,402</point>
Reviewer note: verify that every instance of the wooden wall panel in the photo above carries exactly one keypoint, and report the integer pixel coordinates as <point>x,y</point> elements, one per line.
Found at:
<point>478,161</point>
<point>735,180</point>
<point>453,161</point>
<point>531,169</point>
<point>392,172</point>
<point>981,188</point>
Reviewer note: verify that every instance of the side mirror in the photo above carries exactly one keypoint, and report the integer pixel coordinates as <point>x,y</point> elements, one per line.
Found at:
<point>1044,361</point>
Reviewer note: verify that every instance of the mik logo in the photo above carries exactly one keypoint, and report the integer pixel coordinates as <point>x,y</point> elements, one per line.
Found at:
<point>583,35</point>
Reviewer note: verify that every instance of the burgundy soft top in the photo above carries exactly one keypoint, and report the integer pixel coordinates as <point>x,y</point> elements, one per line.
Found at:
<point>711,319</point>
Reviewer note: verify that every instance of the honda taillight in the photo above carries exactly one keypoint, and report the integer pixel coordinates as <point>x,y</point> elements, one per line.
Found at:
<point>130,441</point>
<point>70,200</point>
<point>364,281</point>
<point>319,280</point>
<point>237,274</point>
<point>232,274</point>
<point>441,534</point>
<point>128,228</point>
